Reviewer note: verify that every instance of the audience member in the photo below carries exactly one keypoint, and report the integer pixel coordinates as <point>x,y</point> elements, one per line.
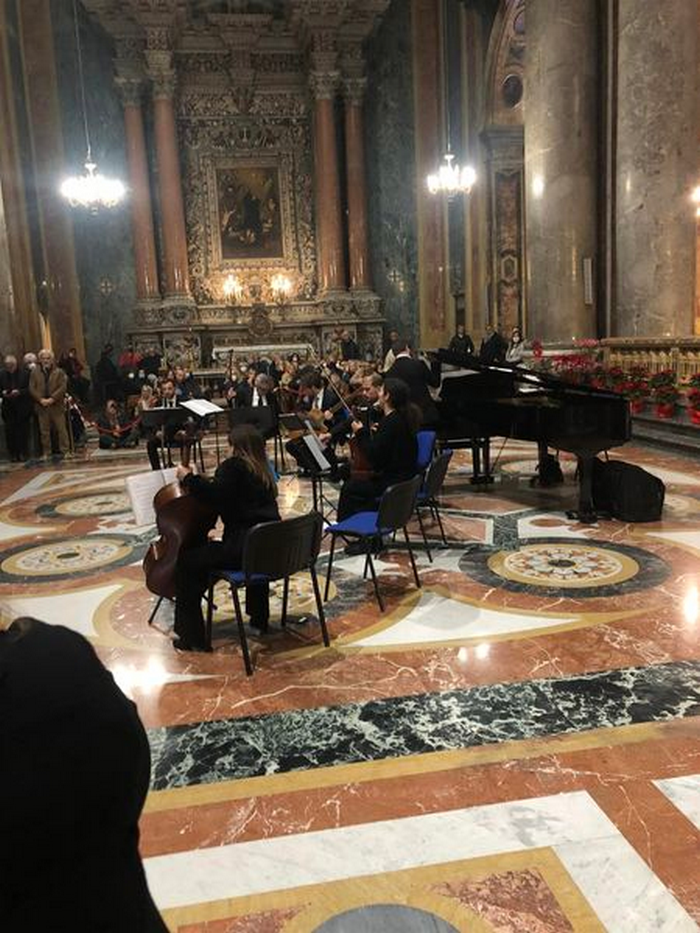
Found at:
<point>417,376</point>
<point>16,408</point>
<point>74,777</point>
<point>461,342</point>
<point>47,387</point>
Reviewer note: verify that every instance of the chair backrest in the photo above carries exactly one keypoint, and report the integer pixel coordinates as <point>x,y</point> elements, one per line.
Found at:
<point>426,445</point>
<point>437,471</point>
<point>279,549</point>
<point>397,504</point>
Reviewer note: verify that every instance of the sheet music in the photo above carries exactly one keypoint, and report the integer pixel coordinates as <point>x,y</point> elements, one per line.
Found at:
<point>316,450</point>
<point>201,407</point>
<point>141,489</point>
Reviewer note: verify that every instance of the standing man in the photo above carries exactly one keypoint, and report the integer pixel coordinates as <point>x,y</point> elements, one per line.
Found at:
<point>47,386</point>
<point>16,408</point>
<point>493,347</point>
<point>418,377</point>
<point>462,342</point>
<point>349,349</point>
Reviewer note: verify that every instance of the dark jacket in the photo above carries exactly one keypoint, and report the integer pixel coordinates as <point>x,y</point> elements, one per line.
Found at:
<point>463,344</point>
<point>392,449</point>
<point>417,377</point>
<point>187,389</point>
<point>492,349</point>
<point>18,406</point>
<point>349,349</point>
<point>237,495</point>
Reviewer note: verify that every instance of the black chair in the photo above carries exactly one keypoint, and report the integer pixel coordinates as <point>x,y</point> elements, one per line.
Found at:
<point>273,551</point>
<point>396,507</point>
<point>428,495</point>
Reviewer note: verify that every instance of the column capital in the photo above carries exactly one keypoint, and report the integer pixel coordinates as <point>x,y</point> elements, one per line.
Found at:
<point>354,90</point>
<point>130,91</point>
<point>324,84</point>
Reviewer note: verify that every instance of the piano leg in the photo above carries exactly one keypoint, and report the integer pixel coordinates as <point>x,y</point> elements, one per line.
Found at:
<point>586,512</point>
<point>481,446</point>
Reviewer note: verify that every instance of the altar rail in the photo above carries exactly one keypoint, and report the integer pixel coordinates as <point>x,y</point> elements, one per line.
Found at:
<point>682,355</point>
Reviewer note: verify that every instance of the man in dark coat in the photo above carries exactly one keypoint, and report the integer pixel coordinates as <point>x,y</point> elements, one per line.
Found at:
<point>74,777</point>
<point>493,347</point>
<point>349,350</point>
<point>16,408</point>
<point>461,342</point>
<point>418,377</point>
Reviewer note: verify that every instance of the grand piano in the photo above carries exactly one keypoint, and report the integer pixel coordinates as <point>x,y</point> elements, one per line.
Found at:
<point>478,402</point>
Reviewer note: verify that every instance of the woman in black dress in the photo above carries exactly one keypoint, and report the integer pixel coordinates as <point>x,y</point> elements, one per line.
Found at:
<point>244,493</point>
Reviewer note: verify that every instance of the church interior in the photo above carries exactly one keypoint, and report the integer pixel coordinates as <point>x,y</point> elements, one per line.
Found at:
<point>287,214</point>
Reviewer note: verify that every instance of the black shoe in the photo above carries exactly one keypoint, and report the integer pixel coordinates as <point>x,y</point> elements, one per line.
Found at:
<point>260,625</point>
<point>179,644</point>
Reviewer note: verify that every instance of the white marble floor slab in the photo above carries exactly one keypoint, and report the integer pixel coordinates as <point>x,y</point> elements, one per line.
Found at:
<point>689,538</point>
<point>684,793</point>
<point>588,843</point>
<point>439,618</point>
<point>567,529</point>
<point>75,610</point>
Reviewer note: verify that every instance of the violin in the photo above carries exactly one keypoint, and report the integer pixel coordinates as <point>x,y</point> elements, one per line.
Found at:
<point>182,522</point>
<point>317,417</point>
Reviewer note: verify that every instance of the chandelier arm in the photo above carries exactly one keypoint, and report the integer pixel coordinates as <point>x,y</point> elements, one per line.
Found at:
<point>81,79</point>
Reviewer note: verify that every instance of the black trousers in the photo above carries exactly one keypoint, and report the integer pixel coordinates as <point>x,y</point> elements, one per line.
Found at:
<point>193,569</point>
<point>359,495</point>
<point>16,432</point>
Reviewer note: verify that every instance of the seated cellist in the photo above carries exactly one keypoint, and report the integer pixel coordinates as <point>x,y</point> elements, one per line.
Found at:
<point>243,492</point>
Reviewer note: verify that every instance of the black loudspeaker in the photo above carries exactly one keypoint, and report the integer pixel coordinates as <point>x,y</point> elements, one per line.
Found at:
<point>627,492</point>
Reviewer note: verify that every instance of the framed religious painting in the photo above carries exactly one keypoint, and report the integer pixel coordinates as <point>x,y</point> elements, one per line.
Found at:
<point>249,213</point>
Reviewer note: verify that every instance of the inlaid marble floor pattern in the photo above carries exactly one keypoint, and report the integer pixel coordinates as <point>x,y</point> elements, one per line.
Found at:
<point>513,748</point>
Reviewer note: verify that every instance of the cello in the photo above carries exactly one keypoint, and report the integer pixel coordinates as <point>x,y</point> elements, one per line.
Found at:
<point>182,522</point>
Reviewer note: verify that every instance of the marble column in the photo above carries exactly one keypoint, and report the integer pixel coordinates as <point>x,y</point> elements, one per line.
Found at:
<point>657,164</point>
<point>331,256</point>
<point>176,278</point>
<point>561,166</point>
<point>146,267</point>
<point>358,247</point>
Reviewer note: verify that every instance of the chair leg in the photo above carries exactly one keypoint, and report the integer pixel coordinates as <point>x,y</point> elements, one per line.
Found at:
<point>319,607</point>
<point>210,614</point>
<point>374,581</point>
<point>425,537</point>
<point>330,567</point>
<point>285,597</point>
<point>413,560</point>
<point>155,610</point>
<point>241,631</point>
<point>439,521</point>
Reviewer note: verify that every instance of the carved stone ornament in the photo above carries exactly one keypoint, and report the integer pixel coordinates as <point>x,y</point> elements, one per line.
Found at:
<point>260,325</point>
<point>164,84</point>
<point>130,91</point>
<point>354,90</point>
<point>324,84</point>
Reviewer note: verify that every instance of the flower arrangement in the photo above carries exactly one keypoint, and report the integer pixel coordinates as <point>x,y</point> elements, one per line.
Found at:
<point>693,396</point>
<point>617,379</point>
<point>537,351</point>
<point>664,391</point>
<point>636,388</point>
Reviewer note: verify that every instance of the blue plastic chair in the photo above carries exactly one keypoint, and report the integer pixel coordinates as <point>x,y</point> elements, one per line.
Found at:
<point>273,551</point>
<point>426,447</point>
<point>429,492</point>
<point>396,507</point>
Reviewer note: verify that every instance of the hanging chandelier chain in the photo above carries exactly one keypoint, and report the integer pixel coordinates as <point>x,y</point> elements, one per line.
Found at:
<point>81,79</point>
<point>446,75</point>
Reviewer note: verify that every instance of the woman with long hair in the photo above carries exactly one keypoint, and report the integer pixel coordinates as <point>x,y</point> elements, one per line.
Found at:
<point>392,450</point>
<point>243,492</point>
<point>516,347</point>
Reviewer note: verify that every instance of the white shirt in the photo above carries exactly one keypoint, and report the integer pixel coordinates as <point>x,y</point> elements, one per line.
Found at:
<point>258,400</point>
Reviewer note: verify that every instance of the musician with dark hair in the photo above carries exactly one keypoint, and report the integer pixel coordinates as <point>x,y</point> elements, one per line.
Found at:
<point>243,492</point>
<point>392,450</point>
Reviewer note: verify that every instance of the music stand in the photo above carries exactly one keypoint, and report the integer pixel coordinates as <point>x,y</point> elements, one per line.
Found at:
<point>164,418</point>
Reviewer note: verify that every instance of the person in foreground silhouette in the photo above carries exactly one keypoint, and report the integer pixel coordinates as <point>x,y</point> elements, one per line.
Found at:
<point>74,773</point>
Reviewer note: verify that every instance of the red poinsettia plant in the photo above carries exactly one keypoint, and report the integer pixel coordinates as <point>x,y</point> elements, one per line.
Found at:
<point>693,396</point>
<point>664,391</point>
<point>636,386</point>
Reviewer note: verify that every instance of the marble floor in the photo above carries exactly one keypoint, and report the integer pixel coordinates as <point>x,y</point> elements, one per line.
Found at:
<point>514,748</point>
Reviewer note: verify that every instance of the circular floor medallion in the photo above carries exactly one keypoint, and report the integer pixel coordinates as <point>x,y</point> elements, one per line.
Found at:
<point>58,560</point>
<point>98,504</point>
<point>566,567</point>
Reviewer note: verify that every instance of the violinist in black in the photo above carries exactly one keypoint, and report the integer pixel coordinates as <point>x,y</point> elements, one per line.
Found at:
<point>392,450</point>
<point>244,493</point>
